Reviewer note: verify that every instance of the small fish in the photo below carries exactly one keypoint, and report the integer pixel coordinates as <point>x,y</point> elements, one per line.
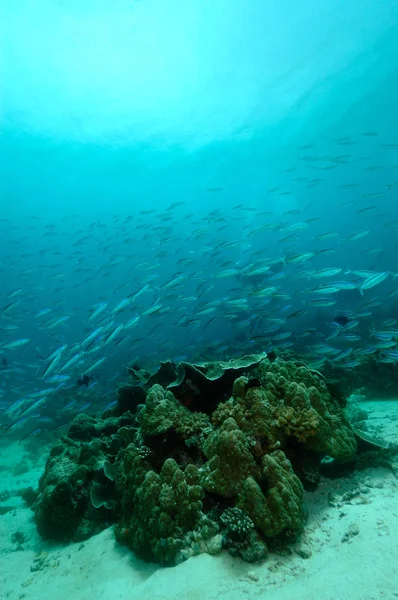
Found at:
<point>30,434</point>
<point>56,352</point>
<point>34,406</point>
<point>51,366</point>
<point>321,302</point>
<point>205,311</point>
<point>326,236</point>
<point>97,364</point>
<point>91,337</point>
<point>114,333</point>
<point>298,259</point>
<point>132,322</point>
<point>351,364</point>
<point>176,280</point>
<point>297,313</point>
<point>151,310</point>
<point>296,227</point>
<point>122,304</point>
<point>343,354</point>
<point>373,250</point>
<point>98,309</point>
<point>389,322</point>
<point>16,344</point>
<point>366,209</point>
<point>373,280</point>
<point>254,271</point>
<point>362,274</point>
<point>345,285</point>
<point>275,320</point>
<point>383,345</point>
<point>293,212</point>
<point>140,291</point>
<point>174,205</point>
<point>372,195</point>
<point>14,293</point>
<point>57,322</point>
<point>383,336</point>
<point>43,312</point>
<point>365,351</point>
<point>6,309</point>
<point>58,378</point>
<point>351,324</point>
<point>227,273</point>
<point>393,354</point>
<point>263,292</point>
<point>326,289</point>
<point>42,393</point>
<point>72,361</point>
<point>357,236</point>
<point>282,336</point>
<point>350,337</point>
<point>326,272</point>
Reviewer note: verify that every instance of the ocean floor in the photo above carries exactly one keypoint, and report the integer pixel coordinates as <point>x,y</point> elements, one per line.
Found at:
<point>349,548</point>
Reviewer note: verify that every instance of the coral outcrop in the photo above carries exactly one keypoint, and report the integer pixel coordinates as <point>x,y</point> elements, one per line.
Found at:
<point>289,403</point>
<point>167,524</point>
<point>215,458</point>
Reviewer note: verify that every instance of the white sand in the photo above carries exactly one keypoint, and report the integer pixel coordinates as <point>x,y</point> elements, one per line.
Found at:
<point>364,567</point>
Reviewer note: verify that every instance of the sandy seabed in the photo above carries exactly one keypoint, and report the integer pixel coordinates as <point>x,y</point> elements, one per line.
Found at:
<point>349,548</point>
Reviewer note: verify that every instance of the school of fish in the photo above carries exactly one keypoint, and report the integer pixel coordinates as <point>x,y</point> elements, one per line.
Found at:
<point>307,268</point>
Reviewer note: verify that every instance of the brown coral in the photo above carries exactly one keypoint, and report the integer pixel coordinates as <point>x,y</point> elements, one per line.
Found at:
<point>230,460</point>
<point>162,412</point>
<point>290,403</point>
<point>278,506</point>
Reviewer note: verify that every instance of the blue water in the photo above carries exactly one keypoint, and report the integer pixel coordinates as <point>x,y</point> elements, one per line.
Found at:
<point>236,125</point>
<point>175,180</point>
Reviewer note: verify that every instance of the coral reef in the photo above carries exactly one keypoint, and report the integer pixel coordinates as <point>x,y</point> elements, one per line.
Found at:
<point>167,523</point>
<point>289,402</point>
<point>162,412</point>
<point>67,506</point>
<point>216,457</point>
<point>240,537</point>
<point>278,509</point>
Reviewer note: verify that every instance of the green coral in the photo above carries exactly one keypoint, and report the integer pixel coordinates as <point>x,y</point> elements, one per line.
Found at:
<point>290,402</point>
<point>61,504</point>
<point>163,412</point>
<point>306,410</point>
<point>63,507</point>
<point>86,427</point>
<point>276,506</point>
<point>267,491</point>
<point>240,537</point>
<point>230,460</point>
<point>186,481</point>
<point>237,523</point>
<point>167,524</point>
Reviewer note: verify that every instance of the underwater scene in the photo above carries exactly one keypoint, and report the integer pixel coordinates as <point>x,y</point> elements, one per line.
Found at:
<point>199,300</point>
